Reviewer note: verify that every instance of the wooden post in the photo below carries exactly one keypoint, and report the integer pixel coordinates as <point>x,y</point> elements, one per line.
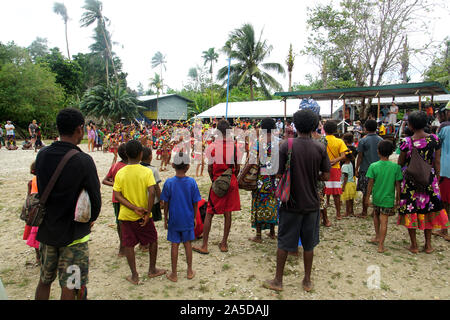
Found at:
<point>420,103</point>
<point>343,116</point>
<point>284,124</point>
<point>331,108</point>
<point>378,112</point>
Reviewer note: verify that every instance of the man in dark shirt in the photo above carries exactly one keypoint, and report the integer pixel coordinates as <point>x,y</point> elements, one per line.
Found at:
<point>367,154</point>
<point>300,217</point>
<point>64,242</point>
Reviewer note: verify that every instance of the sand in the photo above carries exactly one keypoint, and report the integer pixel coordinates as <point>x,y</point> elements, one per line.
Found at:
<point>345,264</point>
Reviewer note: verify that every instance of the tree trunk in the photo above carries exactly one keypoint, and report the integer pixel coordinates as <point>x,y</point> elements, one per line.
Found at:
<point>67,44</point>
<point>251,88</point>
<point>107,71</point>
<point>212,95</point>
<point>109,50</point>
<point>290,81</point>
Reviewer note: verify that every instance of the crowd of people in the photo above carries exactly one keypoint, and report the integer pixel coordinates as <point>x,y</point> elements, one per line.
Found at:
<point>33,141</point>
<point>291,196</point>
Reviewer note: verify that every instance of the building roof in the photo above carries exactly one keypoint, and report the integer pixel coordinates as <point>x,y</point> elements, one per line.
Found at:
<point>393,90</point>
<point>160,97</point>
<point>261,109</point>
<point>442,98</point>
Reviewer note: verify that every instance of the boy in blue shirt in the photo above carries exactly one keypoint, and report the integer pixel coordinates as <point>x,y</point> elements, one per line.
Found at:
<point>181,196</point>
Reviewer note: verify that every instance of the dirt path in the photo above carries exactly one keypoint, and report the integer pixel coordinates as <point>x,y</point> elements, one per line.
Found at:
<point>344,264</point>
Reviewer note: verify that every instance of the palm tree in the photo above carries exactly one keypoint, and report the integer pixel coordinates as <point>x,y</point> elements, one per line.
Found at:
<point>156,83</point>
<point>210,56</point>
<point>60,9</point>
<point>111,102</point>
<point>290,65</point>
<point>159,60</point>
<point>250,53</point>
<point>94,14</point>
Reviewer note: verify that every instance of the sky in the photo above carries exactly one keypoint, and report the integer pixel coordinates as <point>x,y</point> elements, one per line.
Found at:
<point>182,30</point>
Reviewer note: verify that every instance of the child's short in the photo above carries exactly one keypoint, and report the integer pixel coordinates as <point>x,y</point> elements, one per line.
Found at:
<point>384,211</point>
<point>133,233</point>
<point>180,236</point>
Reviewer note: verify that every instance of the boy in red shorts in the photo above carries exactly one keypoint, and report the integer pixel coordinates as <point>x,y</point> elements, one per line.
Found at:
<point>134,188</point>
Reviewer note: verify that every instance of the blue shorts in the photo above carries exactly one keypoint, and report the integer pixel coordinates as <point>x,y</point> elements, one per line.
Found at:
<point>180,236</point>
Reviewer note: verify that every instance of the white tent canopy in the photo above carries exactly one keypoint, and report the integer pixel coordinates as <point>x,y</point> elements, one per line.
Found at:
<point>262,109</point>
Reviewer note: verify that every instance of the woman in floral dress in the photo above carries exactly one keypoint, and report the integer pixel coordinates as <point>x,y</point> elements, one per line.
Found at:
<point>421,208</point>
<point>264,214</point>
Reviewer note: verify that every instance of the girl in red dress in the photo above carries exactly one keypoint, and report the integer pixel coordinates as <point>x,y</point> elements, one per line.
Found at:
<point>222,154</point>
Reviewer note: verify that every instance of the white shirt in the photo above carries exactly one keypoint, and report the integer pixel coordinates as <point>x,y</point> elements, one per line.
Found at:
<point>9,129</point>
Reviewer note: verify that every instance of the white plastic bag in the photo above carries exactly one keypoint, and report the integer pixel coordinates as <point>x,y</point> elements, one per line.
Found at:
<point>83,208</point>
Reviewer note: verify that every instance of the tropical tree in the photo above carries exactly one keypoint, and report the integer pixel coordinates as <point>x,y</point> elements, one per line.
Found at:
<point>38,48</point>
<point>110,103</point>
<point>159,60</point>
<point>290,65</point>
<point>249,54</point>
<point>210,56</point>
<point>368,36</point>
<point>439,70</point>
<point>60,9</point>
<point>94,14</point>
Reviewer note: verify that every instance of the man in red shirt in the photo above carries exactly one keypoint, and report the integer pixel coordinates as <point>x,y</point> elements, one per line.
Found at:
<point>109,181</point>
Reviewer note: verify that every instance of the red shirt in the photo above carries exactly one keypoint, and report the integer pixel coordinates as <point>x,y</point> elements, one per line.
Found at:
<point>112,174</point>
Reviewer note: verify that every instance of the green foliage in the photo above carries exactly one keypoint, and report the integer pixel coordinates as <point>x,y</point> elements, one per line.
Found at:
<point>38,48</point>
<point>27,91</point>
<point>68,73</point>
<point>439,70</point>
<point>110,103</point>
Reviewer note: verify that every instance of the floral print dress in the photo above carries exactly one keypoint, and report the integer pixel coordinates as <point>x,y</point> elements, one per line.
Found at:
<point>421,210</point>
<point>264,202</point>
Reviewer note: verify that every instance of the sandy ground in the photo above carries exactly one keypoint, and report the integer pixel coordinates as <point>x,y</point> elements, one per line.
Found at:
<point>345,264</point>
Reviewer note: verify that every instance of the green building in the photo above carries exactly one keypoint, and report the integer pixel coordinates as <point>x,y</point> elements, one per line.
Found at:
<point>165,107</point>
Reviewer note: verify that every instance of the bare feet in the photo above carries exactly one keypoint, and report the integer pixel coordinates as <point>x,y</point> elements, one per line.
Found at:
<point>327,223</point>
<point>428,250</point>
<point>200,250</point>
<point>273,285</point>
<point>380,249</point>
<point>254,239</point>
<point>374,241</point>
<point>191,275</point>
<point>156,273</point>
<point>412,249</point>
<point>172,277</point>
<point>223,247</point>
<point>307,285</point>
<point>133,279</point>
<point>272,236</point>
<point>338,217</point>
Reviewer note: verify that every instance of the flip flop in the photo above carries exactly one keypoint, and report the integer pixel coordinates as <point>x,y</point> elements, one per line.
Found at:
<point>269,286</point>
<point>199,250</point>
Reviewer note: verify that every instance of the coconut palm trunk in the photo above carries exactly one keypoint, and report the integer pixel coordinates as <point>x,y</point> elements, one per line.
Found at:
<point>67,43</point>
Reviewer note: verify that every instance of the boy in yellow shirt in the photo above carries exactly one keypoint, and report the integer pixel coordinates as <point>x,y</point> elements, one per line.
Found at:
<point>134,188</point>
